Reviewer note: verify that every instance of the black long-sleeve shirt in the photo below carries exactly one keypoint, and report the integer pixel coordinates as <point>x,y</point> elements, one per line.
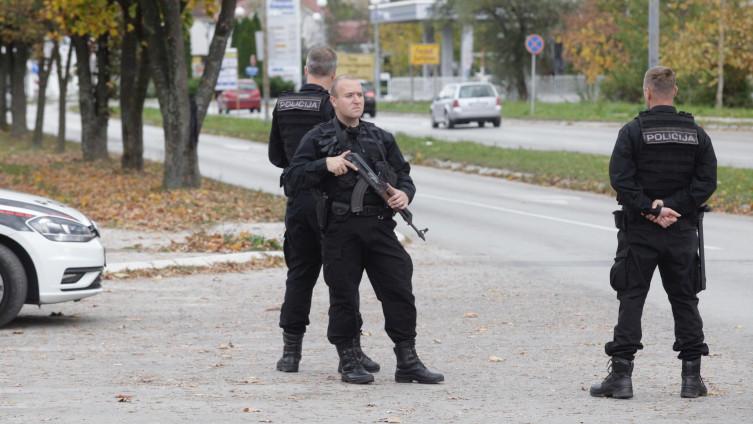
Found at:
<point>309,167</point>
<point>288,130</point>
<point>623,169</point>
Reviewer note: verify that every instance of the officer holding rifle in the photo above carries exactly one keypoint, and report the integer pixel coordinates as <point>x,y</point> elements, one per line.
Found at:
<point>358,229</point>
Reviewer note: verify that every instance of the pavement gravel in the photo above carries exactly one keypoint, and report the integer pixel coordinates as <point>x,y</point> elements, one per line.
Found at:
<point>517,343</point>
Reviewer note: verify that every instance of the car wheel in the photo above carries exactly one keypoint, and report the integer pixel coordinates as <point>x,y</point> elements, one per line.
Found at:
<point>481,124</point>
<point>497,122</point>
<point>13,285</point>
<point>448,122</point>
<point>434,124</point>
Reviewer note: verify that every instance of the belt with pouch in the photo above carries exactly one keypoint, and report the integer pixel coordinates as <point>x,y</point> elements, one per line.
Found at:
<point>341,208</point>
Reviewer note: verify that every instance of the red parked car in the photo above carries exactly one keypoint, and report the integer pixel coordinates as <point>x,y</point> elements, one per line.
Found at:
<point>247,96</point>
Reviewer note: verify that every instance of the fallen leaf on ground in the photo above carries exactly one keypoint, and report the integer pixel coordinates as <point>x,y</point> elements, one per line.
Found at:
<point>228,345</point>
<point>495,359</point>
<point>131,200</point>
<point>123,397</point>
<point>470,315</point>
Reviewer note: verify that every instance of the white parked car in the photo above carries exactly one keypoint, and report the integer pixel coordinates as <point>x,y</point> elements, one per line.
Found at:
<point>49,253</point>
<point>466,102</point>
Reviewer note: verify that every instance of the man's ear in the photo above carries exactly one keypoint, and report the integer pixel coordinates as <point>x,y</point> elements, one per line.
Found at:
<point>677,90</point>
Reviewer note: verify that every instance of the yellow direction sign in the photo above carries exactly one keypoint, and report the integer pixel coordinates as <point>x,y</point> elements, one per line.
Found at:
<point>424,54</point>
<point>356,65</point>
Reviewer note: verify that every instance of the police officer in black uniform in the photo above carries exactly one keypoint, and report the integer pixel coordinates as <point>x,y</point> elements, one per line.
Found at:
<point>293,116</point>
<point>357,241</point>
<point>663,169</point>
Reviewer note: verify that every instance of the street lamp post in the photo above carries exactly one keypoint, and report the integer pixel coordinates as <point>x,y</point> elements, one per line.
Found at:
<point>377,59</point>
<point>265,76</point>
<point>653,33</point>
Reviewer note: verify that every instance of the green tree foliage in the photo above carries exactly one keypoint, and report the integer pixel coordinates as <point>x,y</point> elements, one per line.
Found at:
<point>502,27</point>
<point>244,39</point>
<point>708,43</point>
<point>21,27</point>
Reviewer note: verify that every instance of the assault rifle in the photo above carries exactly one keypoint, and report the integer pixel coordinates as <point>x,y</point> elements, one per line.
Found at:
<point>381,188</point>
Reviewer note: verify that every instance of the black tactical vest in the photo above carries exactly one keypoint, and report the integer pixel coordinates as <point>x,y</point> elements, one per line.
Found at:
<point>666,156</point>
<point>297,113</point>
<point>371,147</point>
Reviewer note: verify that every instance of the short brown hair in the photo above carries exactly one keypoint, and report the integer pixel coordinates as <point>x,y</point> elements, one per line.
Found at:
<point>661,81</point>
<point>336,82</point>
<point>321,61</point>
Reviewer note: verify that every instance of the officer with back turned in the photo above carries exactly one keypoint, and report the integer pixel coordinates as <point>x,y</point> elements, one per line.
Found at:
<point>663,169</point>
<point>293,116</point>
<point>359,233</point>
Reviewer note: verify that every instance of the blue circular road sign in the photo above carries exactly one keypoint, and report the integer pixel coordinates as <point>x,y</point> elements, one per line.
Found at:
<point>534,44</point>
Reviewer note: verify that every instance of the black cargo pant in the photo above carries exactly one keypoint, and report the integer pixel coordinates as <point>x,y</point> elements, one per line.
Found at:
<point>303,257</point>
<point>641,247</point>
<point>352,244</point>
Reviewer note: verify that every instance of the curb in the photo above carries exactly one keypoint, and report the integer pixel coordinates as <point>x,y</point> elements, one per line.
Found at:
<point>192,261</point>
<point>205,260</point>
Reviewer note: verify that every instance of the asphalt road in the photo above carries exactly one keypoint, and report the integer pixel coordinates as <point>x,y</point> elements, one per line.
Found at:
<point>734,147</point>
<point>532,261</point>
<point>563,233</point>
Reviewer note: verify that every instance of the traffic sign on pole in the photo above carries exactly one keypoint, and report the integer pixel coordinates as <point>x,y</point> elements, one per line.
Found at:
<point>534,45</point>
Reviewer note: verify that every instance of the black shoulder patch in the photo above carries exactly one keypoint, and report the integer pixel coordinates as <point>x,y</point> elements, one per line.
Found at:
<point>670,135</point>
<point>299,103</point>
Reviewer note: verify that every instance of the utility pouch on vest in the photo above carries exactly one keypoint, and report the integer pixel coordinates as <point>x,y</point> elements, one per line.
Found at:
<point>321,211</point>
<point>340,208</point>
<point>619,220</point>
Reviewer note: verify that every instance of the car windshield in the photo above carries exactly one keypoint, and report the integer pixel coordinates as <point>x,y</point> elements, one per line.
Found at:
<point>469,91</point>
<point>367,86</point>
<point>247,86</point>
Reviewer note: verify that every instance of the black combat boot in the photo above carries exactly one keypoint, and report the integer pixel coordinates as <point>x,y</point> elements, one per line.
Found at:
<point>410,368</point>
<point>618,384</point>
<point>351,370</point>
<point>692,383</point>
<point>291,352</point>
<point>368,364</point>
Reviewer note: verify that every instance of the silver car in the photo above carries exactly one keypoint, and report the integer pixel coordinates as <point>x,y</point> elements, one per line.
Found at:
<point>466,102</point>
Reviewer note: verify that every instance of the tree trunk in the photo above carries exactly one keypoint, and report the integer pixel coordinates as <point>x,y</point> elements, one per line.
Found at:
<point>4,67</point>
<point>134,78</point>
<point>45,66</point>
<point>19,56</point>
<point>63,78</point>
<point>720,59</point>
<point>163,26</point>
<point>93,98</point>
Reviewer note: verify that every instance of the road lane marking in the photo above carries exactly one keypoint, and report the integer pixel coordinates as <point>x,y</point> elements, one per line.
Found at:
<point>519,212</point>
<point>532,215</point>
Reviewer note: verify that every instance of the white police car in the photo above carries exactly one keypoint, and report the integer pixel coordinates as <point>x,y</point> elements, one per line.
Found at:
<point>49,253</point>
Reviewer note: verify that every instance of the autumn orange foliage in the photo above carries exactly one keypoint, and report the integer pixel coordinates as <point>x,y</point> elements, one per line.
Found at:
<point>116,198</point>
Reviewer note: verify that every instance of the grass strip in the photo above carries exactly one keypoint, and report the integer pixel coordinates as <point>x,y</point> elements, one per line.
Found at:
<point>580,111</point>
<point>571,170</point>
